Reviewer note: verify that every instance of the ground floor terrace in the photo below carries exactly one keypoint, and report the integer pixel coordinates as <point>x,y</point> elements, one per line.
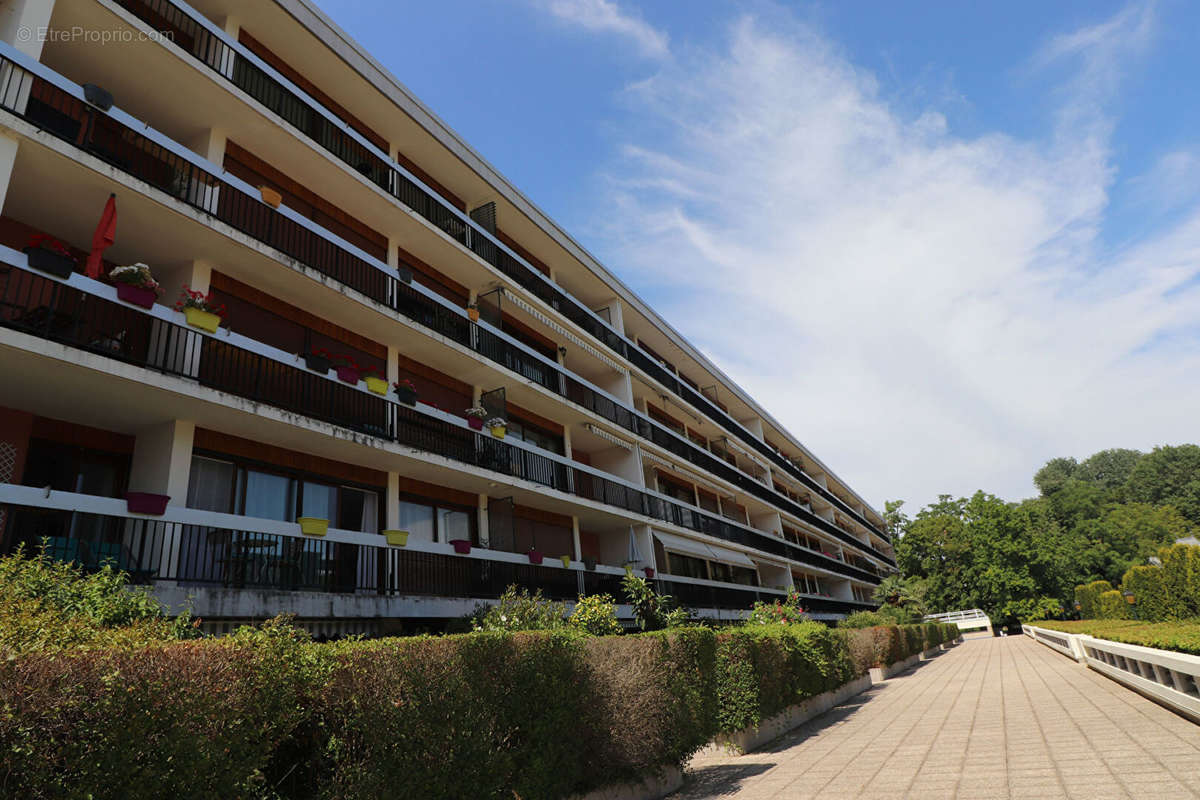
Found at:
<point>992,718</point>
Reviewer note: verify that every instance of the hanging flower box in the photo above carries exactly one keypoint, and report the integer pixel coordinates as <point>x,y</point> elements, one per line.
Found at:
<point>473,313</point>
<point>146,503</point>
<point>396,538</point>
<point>476,423</point>
<point>461,546</point>
<point>48,254</point>
<point>313,526</point>
<point>475,417</point>
<point>98,96</point>
<point>589,563</point>
<point>317,361</point>
<point>566,561</point>
<point>347,369</point>
<point>535,556</point>
<point>200,310</point>
<point>498,427</point>
<point>204,320</point>
<point>405,274</point>
<point>406,393</point>
<point>375,380</point>
<point>135,284</point>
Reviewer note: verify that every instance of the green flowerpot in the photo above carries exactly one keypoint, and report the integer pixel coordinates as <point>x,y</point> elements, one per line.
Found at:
<point>313,526</point>
<point>396,538</point>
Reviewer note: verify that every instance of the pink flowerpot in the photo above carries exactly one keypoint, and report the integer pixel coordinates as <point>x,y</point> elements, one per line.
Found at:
<point>347,375</point>
<point>137,295</point>
<point>535,556</point>
<point>146,503</point>
<point>476,423</point>
<point>649,572</point>
<point>461,546</point>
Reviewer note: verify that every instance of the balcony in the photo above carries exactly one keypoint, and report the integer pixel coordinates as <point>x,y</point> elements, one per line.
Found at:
<point>84,314</point>
<point>169,167</point>
<point>213,50</point>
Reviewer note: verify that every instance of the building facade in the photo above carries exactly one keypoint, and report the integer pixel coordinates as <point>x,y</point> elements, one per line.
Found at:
<point>253,152</point>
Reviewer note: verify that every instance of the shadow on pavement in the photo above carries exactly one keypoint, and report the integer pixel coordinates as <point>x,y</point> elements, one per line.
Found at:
<point>719,779</point>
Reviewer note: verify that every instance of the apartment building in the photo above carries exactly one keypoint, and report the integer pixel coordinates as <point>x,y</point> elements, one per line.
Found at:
<point>314,454</point>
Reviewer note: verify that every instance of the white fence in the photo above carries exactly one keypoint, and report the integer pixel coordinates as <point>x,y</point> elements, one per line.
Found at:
<point>972,619</point>
<point>1169,678</point>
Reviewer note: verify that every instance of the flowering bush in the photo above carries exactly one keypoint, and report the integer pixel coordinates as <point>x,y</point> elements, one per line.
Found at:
<point>476,411</point>
<point>404,385</point>
<point>189,298</point>
<point>787,612</point>
<point>596,614</point>
<point>496,422</point>
<point>372,371</point>
<point>135,275</point>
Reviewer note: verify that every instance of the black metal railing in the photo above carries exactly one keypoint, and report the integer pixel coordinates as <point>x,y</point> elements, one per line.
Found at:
<point>59,112</point>
<point>57,312</point>
<point>151,550</point>
<point>226,61</point>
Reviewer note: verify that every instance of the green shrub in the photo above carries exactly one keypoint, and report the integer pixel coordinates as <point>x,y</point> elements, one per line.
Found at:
<point>1180,635</point>
<point>1150,597</point>
<point>763,669</point>
<point>518,610</point>
<point>1112,605</point>
<point>863,619</point>
<point>1181,580</point>
<point>1088,598</point>
<point>653,611</point>
<point>596,614</point>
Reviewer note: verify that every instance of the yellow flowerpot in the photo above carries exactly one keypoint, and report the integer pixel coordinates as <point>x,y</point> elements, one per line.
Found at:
<point>377,385</point>
<point>204,320</point>
<point>397,538</point>
<point>270,196</point>
<point>313,526</point>
<point>473,314</point>
<point>499,430</point>
<point>566,561</point>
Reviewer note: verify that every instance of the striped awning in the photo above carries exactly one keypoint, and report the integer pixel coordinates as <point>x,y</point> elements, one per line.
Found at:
<point>709,552</point>
<point>561,331</point>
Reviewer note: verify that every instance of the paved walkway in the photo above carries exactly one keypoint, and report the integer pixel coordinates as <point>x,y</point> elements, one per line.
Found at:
<point>990,718</point>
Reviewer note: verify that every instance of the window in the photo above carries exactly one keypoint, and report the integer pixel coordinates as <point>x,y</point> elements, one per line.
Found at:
<point>686,566</point>
<point>228,487</point>
<point>69,468</point>
<point>536,436</point>
<point>733,574</point>
<point>677,491</point>
<point>429,521</point>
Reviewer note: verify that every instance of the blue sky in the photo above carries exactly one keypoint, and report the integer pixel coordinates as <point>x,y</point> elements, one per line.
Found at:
<point>945,242</point>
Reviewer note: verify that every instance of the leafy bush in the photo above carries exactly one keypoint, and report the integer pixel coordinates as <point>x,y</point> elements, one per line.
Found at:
<point>1181,635</point>
<point>1181,580</point>
<point>653,611</point>
<point>763,669</point>
<point>863,619</point>
<point>1151,601</point>
<point>48,605</point>
<point>596,614</point>
<point>1112,605</point>
<point>518,610</point>
<point>787,611</point>
<point>1088,598</point>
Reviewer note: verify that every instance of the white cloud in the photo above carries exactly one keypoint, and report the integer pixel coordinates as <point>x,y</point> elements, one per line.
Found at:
<point>928,312</point>
<point>605,16</point>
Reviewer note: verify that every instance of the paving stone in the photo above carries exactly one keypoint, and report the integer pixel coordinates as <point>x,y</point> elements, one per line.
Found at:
<point>992,718</point>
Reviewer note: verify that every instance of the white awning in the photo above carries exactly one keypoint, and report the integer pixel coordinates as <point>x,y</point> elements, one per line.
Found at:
<point>520,303</point>
<point>688,547</point>
<point>708,552</point>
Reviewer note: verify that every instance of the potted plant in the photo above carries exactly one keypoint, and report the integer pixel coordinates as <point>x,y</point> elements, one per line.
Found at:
<point>566,561</point>
<point>146,503</point>
<point>461,546</point>
<point>50,255</point>
<point>313,526</point>
<point>199,309</point>
<point>475,417</point>
<point>347,368</point>
<point>589,563</point>
<point>318,360</point>
<point>535,556</point>
<point>270,196</point>
<point>406,393</point>
<point>135,284</point>
<point>375,380</point>
<point>396,538</point>
<point>498,426</point>
<point>473,312</point>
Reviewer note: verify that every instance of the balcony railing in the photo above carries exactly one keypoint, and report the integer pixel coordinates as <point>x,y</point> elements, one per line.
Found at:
<point>65,115</point>
<point>64,312</point>
<point>249,558</point>
<point>201,40</point>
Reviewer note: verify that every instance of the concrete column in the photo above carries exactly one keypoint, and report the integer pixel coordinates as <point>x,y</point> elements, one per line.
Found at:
<point>393,364</point>
<point>391,508</point>
<point>484,537</point>
<point>195,274</point>
<point>23,24</point>
<point>8,159</point>
<point>566,441</point>
<point>162,460</point>
<point>754,425</point>
<point>209,143</point>
<point>575,538</point>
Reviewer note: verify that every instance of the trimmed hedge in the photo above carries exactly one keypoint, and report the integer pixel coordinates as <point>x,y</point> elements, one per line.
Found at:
<point>1087,596</point>
<point>485,715</point>
<point>1112,605</point>
<point>1182,636</point>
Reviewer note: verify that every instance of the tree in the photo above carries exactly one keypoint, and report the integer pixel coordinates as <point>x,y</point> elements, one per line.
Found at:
<point>1168,476</point>
<point>906,593</point>
<point>1057,471</point>
<point>1108,469</point>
